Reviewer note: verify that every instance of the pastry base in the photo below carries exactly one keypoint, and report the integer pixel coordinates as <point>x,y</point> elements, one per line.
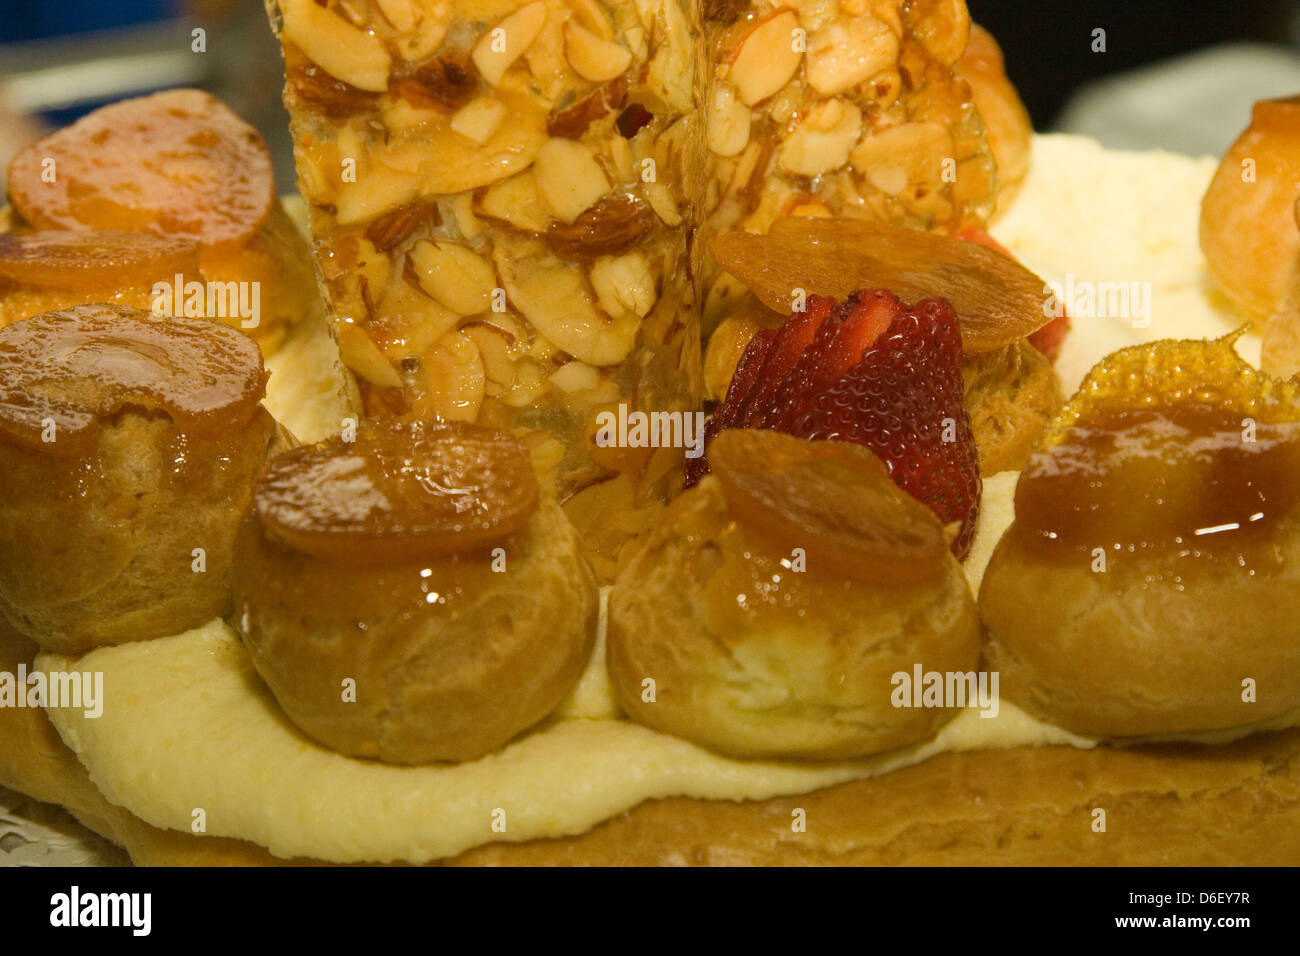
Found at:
<point>1165,805</point>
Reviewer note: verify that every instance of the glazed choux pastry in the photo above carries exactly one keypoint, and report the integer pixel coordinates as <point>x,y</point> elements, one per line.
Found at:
<point>179,164</point>
<point>770,609</point>
<point>1150,583</point>
<point>1248,215</point>
<point>50,269</point>
<point>411,596</point>
<point>128,447</point>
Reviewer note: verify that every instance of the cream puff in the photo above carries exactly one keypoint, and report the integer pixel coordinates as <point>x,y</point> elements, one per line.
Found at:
<point>411,596</point>
<point>1150,583</point>
<point>178,164</point>
<point>128,447</point>
<point>772,607</point>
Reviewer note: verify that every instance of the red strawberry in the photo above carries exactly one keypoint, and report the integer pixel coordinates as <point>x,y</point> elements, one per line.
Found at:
<point>873,372</point>
<point>903,400</point>
<point>841,340</point>
<point>728,413</point>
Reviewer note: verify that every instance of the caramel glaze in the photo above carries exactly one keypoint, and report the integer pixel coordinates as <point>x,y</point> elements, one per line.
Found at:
<point>79,367</point>
<point>61,259</point>
<point>1181,480</point>
<point>403,491</point>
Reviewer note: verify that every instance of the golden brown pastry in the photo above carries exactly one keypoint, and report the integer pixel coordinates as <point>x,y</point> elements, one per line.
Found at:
<point>411,596</point>
<point>128,447</point>
<point>1150,583</point>
<point>1011,395</point>
<point>1006,121</point>
<point>772,605</point>
<point>178,164</point>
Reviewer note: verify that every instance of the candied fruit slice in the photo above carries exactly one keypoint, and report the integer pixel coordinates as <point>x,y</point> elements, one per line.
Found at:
<point>1051,336</point>
<point>403,491</point>
<point>178,163</point>
<point>74,368</point>
<point>62,259</point>
<point>999,300</point>
<point>905,401</point>
<point>836,501</point>
<point>1173,445</point>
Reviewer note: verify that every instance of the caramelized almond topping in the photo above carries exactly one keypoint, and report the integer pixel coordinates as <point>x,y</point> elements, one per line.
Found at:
<point>62,373</point>
<point>403,491</point>
<point>834,500</point>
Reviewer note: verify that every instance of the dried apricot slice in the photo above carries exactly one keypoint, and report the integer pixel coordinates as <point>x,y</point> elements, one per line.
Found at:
<point>998,300</point>
<point>178,163</point>
<point>62,259</point>
<point>835,500</point>
<point>401,491</point>
<point>74,368</point>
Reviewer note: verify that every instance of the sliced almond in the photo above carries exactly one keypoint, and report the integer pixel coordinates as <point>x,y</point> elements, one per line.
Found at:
<point>589,14</point>
<point>382,189</point>
<point>454,275</point>
<point>624,284</point>
<point>728,132</point>
<point>893,158</point>
<point>591,57</point>
<point>421,320</point>
<point>337,47</point>
<point>361,355</point>
<point>462,210</point>
<point>849,52</point>
<point>479,119</point>
<point>455,164</point>
<point>575,376</point>
<point>455,379</point>
<point>497,49</point>
<point>553,296</point>
<point>400,13</point>
<point>569,178</point>
<point>517,201</point>
<point>823,141</point>
<point>766,58</point>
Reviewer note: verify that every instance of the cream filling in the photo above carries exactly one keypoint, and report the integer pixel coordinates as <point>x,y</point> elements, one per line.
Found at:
<point>189,734</point>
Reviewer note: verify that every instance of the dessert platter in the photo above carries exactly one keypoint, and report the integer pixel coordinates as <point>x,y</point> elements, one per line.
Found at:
<point>657,433</point>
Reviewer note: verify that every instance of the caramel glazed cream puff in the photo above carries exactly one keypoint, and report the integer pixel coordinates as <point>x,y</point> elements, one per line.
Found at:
<point>128,447</point>
<point>1150,583</point>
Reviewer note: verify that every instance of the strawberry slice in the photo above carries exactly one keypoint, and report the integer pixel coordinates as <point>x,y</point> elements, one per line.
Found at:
<point>874,372</point>
<point>1047,339</point>
<point>840,343</point>
<point>792,339</point>
<point>904,401</point>
<point>728,413</point>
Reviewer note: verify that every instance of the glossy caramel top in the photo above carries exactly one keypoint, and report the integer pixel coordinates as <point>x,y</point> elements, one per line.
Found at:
<point>1176,447</point>
<point>834,500</point>
<point>63,259</point>
<point>65,372</point>
<point>401,491</point>
<point>178,163</point>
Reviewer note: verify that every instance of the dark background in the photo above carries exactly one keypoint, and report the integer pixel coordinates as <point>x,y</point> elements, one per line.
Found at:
<point>1048,44</point>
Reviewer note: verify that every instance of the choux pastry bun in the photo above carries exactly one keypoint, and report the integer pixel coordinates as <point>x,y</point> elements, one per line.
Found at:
<point>772,606</point>
<point>410,596</point>
<point>128,447</point>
